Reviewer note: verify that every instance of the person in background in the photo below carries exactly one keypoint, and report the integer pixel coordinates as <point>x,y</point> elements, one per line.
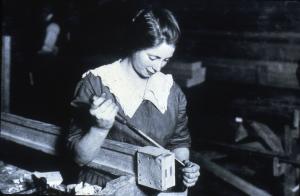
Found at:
<point>134,88</point>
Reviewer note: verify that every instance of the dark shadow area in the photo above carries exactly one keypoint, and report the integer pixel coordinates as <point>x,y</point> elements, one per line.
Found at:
<point>33,160</point>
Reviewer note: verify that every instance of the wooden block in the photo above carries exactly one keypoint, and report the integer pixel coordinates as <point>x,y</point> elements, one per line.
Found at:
<point>188,83</point>
<point>186,74</point>
<point>156,168</point>
<point>183,69</point>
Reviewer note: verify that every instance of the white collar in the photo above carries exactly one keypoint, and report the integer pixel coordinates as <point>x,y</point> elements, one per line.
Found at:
<point>157,90</point>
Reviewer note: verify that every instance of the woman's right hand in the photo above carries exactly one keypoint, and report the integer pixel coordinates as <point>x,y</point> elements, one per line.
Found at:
<point>104,110</point>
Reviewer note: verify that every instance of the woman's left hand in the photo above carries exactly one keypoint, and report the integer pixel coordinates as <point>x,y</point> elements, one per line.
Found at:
<point>191,172</point>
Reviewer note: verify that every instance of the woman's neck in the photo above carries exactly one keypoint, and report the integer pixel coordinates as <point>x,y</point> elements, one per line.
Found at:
<point>131,73</point>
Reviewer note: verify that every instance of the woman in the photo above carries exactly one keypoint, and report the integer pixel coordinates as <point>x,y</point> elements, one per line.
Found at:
<point>134,88</point>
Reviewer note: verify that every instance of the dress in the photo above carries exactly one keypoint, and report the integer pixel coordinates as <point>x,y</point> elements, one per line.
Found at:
<point>169,129</point>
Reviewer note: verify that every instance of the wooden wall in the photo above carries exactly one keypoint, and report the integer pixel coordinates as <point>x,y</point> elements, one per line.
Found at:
<point>251,50</point>
<point>254,36</point>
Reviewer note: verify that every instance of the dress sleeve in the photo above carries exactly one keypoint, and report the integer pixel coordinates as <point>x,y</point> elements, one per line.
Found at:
<point>181,136</point>
<point>80,120</point>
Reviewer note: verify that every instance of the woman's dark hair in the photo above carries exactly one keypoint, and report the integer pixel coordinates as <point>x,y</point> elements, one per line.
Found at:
<point>151,27</point>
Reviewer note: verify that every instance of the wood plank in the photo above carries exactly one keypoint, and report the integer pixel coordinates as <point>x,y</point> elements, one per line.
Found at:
<point>5,73</point>
<point>252,50</point>
<point>29,123</point>
<point>268,136</point>
<point>279,108</point>
<point>265,73</point>
<point>276,37</point>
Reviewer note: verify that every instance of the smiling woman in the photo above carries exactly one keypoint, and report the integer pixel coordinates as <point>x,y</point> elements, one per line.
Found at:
<point>151,60</point>
<point>134,89</point>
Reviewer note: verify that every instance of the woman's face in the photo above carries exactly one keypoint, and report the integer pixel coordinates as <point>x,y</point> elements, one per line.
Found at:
<point>151,60</point>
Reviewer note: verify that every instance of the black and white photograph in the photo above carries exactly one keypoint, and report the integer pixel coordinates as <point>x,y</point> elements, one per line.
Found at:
<point>150,97</point>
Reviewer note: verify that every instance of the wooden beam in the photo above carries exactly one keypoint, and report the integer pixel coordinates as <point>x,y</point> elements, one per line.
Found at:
<point>115,157</point>
<point>267,136</point>
<point>5,73</point>
<point>33,134</point>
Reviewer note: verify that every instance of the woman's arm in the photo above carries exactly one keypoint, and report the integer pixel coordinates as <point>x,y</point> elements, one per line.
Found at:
<point>190,170</point>
<point>88,146</point>
<point>103,112</point>
<point>182,153</point>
